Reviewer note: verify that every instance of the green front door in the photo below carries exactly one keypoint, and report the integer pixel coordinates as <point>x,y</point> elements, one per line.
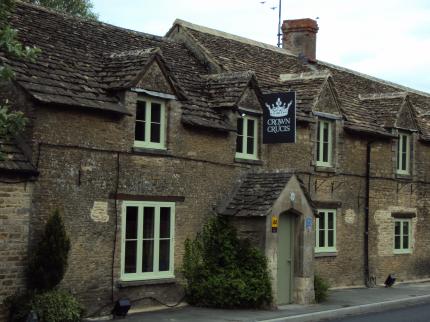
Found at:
<point>285,259</point>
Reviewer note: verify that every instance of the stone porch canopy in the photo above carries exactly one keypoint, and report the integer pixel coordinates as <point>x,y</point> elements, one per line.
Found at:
<point>258,192</point>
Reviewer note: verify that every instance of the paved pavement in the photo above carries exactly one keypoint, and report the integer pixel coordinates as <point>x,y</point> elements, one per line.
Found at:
<point>340,303</point>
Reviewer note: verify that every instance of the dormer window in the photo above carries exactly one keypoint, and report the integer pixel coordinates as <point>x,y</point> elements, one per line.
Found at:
<point>150,125</point>
<point>247,137</point>
<point>403,153</point>
<point>325,143</point>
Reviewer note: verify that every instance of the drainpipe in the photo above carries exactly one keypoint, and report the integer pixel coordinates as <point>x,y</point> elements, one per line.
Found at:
<point>367,279</point>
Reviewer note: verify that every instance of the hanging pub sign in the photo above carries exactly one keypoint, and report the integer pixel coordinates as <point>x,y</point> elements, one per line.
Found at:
<point>279,118</point>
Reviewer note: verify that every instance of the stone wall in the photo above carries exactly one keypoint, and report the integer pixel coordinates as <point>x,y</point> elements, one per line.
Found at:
<point>84,158</point>
<point>15,199</point>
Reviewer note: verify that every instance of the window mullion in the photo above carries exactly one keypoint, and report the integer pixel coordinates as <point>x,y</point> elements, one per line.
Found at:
<point>156,239</point>
<point>139,239</point>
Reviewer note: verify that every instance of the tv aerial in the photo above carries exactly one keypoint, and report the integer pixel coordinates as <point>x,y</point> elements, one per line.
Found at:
<point>273,7</point>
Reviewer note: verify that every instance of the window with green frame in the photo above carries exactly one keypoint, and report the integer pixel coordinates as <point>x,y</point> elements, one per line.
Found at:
<point>402,236</point>
<point>325,143</point>
<point>325,231</point>
<point>247,137</point>
<point>147,240</point>
<point>403,153</point>
<point>150,127</point>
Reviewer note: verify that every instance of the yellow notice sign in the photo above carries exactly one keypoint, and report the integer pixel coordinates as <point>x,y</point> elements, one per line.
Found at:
<point>274,224</point>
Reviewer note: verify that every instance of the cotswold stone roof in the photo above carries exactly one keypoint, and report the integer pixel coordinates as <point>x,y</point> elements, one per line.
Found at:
<point>233,53</point>
<point>14,160</point>
<point>84,63</point>
<point>256,194</point>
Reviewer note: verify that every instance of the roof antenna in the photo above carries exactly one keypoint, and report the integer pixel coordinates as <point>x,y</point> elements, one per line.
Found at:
<point>273,7</point>
<point>279,24</point>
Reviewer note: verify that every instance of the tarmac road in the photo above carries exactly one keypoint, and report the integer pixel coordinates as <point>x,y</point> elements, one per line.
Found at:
<point>418,313</point>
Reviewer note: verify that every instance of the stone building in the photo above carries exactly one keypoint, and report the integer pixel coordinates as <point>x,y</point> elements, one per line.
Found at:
<point>138,139</point>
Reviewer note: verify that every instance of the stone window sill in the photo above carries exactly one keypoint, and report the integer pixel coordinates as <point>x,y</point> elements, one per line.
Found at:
<point>327,254</point>
<point>325,169</point>
<point>403,176</point>
<point>146,151</point>
<point>248,161</point>
<point>123,284</point>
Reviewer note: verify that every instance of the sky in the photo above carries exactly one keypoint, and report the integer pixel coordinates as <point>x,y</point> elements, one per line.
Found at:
<point>388,39</point>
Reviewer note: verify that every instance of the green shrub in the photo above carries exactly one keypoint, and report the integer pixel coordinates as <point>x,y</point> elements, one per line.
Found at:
<point>321,287</point>
<point>50,306</point>
<point>47,266</point>
<point>56,306</point>
<point>223,271</point>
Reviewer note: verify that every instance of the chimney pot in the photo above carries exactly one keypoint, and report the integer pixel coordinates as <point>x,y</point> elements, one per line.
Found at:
<point>299,37</point>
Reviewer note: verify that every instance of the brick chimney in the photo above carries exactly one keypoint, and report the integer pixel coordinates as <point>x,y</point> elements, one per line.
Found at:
<point>300,37</point>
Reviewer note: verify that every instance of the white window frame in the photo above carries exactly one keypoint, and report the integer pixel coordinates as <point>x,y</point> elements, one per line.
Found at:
<point>325,248</point>
<point>399,160</point>
<point>156,274</point>
<point>320,143</point>
<point>147,142</point>
<point>402,250</point>
<point>244,154</point>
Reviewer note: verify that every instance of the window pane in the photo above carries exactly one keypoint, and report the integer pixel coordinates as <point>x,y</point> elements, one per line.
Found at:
<point>131,223</point>
<point>239,144</point>
<point>148,222</point>
<point>155,132</point>
<point>240,126</point>
<point>239,138</point>
<point>397,228</point>
<point>155,113</point>
<point>405,242</point>
<point>139,131</point>
<point>330,242</point>
<point>250,146</point>
<point>398,154</point>
<point>330,219</point>
<point>148,256</point>
<point>164,222</point>
<point>325,152</point>
<point>321,238</point>
<point>405,228</point>
<point>404,161</point>
<point>130,256</point>
<point>397,242</point>
<point>141,110</point>
<point>325,132</point>
<point>251,124</point>
<point>164,262</point>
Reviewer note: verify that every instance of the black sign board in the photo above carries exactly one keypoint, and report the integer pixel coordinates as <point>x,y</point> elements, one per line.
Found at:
<point>279,118</point>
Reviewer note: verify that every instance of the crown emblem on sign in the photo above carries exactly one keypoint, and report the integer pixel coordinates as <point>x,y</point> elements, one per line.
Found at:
<point>279,109</point>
